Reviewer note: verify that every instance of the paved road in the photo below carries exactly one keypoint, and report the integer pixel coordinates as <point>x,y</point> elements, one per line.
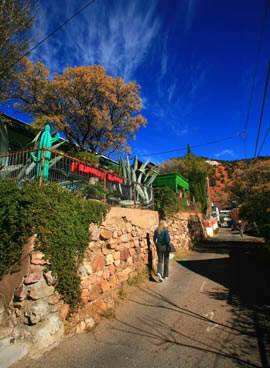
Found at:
<point>213,312</point>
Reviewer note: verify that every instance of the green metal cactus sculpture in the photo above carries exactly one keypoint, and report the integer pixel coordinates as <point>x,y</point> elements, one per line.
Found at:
<point>143,178</point>
<point>46,141</point>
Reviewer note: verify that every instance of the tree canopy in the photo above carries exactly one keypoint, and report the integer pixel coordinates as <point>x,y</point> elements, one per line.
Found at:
<point>95,111</point>
<point>251,189</point>
<point>16,21</point>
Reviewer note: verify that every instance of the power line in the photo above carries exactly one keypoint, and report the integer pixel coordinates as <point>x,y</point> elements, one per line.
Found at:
<point>262,109</point>
<point>196,146</point>
<point>49,35</point>
<point>265,137</point>
<point>255,71</point>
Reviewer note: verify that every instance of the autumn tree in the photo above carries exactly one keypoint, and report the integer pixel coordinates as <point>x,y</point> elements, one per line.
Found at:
<point>251,189</point>
<point>95,111</point>
<point>16,21</point>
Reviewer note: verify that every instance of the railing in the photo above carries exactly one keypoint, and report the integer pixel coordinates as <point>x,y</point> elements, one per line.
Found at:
<point>75,175</point>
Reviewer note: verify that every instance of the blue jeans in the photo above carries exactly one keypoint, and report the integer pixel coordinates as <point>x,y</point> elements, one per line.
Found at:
<point>163,257</point>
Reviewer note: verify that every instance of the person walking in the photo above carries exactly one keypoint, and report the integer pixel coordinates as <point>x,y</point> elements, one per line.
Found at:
<point>162,242</point>
<point>241,229</point>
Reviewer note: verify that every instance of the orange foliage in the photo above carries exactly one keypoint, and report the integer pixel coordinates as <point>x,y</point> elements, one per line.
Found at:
<point>93,110</point>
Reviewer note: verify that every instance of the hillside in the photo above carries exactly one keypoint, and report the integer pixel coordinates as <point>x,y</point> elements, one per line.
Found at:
<point>222,176</point>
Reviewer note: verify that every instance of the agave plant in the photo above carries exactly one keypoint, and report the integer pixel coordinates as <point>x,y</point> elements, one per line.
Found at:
<point>140,177</point>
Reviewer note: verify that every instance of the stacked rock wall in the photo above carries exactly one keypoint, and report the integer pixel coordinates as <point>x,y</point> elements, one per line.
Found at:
<point>32,312</point>
<point>186,229</point>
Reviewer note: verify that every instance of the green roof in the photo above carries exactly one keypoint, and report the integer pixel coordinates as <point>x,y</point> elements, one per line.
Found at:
<point>173,181</point>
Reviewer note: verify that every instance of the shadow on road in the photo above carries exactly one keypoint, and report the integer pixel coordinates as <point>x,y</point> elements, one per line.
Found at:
<point>165,334</point>
<point>246,288</point>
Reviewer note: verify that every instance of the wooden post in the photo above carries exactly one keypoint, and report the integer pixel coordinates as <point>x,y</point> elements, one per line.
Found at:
<point>105,189</point>
<point>42,167</point>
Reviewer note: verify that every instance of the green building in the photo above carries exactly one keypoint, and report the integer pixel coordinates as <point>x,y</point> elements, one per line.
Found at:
<point>176,182</point>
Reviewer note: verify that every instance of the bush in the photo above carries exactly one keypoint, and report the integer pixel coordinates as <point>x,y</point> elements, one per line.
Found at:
<point>86,156</point>
<point>165,201</point>
<point>93,191</point>
<point>11,225</point>
<point>61,221</point>
<point>212,182</point>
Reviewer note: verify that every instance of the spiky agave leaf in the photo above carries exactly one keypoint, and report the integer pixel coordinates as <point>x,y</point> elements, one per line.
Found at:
<point>153,177</point>
<point>135,163</point>
<point>55,160</point>
<point>140,191</point>
<point>133,175</point>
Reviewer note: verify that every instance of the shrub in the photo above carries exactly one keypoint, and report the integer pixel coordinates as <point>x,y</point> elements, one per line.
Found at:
<point>86,156</point>
<point>61,221</point>
<point>93,191</point>
<point>212,181</point>
<point>11,224</point>
<point>165,201</point>
<point>116,169</point>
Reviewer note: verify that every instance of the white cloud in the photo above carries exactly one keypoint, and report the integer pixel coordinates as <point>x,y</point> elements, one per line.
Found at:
<point>226,152</point>
<point>171,91</point>
<point>191,4</point>
<point>117,36</point>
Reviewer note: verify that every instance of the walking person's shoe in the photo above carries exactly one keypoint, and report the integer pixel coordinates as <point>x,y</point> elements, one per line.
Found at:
<point>160,277</point>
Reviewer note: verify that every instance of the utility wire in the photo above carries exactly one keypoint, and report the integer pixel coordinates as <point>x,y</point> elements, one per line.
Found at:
<point>262,109</point>
<point>48,36</point>
<point>265,137</point>
<point>255,71</point>
<point>196,146</point>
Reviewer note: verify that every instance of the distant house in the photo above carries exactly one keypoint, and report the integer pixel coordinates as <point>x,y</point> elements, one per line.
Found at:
<point>176,182</point>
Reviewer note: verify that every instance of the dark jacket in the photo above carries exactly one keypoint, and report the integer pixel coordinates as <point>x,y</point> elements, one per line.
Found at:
<point>162,239</point>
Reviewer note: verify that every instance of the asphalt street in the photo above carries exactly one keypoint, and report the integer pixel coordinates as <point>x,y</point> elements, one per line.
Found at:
<point>212,312</point>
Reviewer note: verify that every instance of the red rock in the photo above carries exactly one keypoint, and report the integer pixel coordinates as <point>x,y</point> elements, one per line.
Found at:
<point>64,311</point>
<point>146,259</point>
<point>94,292</point>
<point>105,286</point>
<point>113,281</point>
<point>35,273</point>
<point>85,296</point>
<point>112,243</point>
<point>106,274</point>
<point>98,262</point>
<point>112,269</point>
<point>124,254</point>
<point>132,251</point>
<point>105,234</point>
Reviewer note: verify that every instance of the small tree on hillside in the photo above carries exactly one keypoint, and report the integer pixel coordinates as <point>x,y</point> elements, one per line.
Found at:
<point>95,111</point>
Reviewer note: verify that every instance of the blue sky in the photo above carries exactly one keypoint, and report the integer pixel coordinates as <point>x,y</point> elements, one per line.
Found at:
<point>194,60</point>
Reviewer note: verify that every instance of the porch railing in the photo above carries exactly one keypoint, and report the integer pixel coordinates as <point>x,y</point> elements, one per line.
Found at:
<point>75,175</point>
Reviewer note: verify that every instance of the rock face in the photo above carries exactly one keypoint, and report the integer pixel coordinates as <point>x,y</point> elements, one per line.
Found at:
<point>186,229</point>
<point>120,248</point>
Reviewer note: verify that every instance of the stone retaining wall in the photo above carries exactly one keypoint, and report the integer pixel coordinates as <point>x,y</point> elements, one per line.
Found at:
<point>186,229</point>
<point>32,312</point>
